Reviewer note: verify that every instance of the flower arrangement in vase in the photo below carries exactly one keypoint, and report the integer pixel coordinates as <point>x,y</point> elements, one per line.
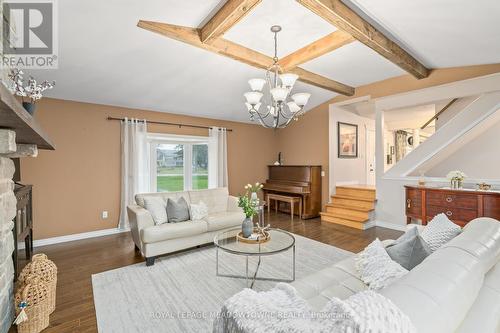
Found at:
<point>32,90</point>
<point>456,179</point>
<point>250,210</point>
<point>253,190</point>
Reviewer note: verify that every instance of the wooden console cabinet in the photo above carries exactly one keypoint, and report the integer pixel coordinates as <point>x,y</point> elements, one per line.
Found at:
<point>461,206</point>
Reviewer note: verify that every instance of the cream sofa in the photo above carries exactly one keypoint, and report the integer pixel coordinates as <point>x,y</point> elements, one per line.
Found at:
<point>154,240</point>
<point>455,289</point>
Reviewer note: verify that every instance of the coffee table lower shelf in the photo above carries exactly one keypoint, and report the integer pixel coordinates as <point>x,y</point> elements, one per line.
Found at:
<point>252,278</point>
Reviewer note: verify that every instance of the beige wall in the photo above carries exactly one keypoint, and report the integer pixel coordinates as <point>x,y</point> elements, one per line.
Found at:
<point>306,141</point>
<point>81,178</point>
<point>73,184</point>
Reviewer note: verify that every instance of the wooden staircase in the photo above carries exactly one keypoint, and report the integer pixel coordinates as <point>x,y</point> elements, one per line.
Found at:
<point>351,206</point>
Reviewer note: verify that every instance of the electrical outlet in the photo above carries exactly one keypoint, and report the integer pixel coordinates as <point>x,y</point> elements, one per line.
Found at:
<point>322,174</point>
<point>104,214</point>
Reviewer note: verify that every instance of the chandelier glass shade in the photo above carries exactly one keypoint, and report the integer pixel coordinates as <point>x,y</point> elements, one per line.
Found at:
<point>279,107</point>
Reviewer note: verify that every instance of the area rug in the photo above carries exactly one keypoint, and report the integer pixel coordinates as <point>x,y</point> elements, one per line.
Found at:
<point>181,292</point>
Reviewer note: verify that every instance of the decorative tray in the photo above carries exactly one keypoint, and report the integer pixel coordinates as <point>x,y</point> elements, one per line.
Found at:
<point>263,237</point>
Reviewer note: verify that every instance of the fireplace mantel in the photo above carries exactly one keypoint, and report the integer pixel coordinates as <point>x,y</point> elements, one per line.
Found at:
<point>14,117</point>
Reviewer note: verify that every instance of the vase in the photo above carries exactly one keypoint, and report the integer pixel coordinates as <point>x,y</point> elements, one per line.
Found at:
<point>30,107</point>
<point>456,184</point>
<point>254,197</point>
<point>247,227</point>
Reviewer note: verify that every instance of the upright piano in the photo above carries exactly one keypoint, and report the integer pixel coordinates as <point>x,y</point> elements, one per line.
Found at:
<point>297,180</point>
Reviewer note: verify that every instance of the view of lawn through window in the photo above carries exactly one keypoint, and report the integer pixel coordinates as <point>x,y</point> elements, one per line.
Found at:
<point>171,169</point>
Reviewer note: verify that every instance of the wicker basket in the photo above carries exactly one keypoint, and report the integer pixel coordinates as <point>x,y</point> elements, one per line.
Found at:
<point>41,266</point>
<point>35,293</point>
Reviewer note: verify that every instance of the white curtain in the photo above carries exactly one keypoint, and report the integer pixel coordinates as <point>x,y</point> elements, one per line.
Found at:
<point>134,166</point>
<point>217,157</point>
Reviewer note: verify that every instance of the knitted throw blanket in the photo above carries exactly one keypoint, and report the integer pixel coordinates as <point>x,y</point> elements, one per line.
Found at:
<point>281,309</point>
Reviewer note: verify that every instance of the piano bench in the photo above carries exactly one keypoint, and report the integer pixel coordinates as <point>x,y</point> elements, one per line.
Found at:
<point>284,198</point>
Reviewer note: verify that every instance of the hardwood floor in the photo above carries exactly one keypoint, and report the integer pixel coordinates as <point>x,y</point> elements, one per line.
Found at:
<point>78,260</point>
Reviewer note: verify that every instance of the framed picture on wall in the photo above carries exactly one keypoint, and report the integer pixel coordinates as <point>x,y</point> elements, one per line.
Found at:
<point>347,139</point>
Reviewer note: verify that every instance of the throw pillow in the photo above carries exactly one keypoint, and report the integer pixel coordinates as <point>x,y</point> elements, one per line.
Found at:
<point>199,211</point>
<point>157,207</point>
<point>409,234</point>
<point>177,211</point>
<point>410,252</point>
<point>376,268</point>
<point>439,231</point>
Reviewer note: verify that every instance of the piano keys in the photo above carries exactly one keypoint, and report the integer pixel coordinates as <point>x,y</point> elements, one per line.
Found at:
<point>296,180</point>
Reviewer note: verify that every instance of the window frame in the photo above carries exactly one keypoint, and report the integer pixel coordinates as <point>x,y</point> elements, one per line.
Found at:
<point>188,141</point>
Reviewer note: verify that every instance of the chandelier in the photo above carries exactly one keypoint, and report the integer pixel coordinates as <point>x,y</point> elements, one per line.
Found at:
<point>280,107</point>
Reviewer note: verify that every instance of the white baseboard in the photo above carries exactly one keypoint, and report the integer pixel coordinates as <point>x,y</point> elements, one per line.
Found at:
<point>347,182</point>
<point>369,224</point>
<point>73,237</point>
<point>388,225</point>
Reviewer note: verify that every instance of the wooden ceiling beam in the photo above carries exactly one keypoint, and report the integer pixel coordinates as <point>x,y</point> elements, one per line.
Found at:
<point>344,18</point>
<point>225,18</point>
<point>240,53</point>
<point>316,49</point>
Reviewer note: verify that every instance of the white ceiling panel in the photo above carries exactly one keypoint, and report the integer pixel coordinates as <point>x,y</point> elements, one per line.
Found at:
<point>300,27</point>
<point>117,63</point>
<point>354,64</point>
<point>443,33</point>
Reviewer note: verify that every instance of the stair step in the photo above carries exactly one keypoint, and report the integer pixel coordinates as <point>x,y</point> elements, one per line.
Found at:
<point>348,212</point>
<point>353,202</point>
<point>345,222</point>
<point>354,191</point>
<point>351,207</point>
<point>347,216</point>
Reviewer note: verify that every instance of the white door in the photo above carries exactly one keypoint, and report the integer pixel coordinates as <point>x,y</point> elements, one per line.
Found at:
<point>370,157</point>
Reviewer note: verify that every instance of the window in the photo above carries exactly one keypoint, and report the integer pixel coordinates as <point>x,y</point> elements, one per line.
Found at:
<point>178,162</point>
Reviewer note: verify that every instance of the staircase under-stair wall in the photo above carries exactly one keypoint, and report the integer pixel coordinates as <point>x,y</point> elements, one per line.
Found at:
<point>351,206</point>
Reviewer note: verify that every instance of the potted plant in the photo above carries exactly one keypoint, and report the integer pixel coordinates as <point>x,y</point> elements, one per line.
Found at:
<point>456,179</point>
<point>32,91</point>
<point>249,208</point>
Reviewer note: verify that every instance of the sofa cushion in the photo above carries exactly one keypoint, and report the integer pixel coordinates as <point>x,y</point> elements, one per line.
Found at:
<point>488,301</point>
<point>376,268</point>
<point>177,211</point>
<point>409,252</point>
<point>340,281</point>
<point>218,221</point>
<point>156,206</point>
<point>215,199</point>
<point>198,211</point>
<point>158,233</point>
<point>139,198</point>
<point>439,231</point>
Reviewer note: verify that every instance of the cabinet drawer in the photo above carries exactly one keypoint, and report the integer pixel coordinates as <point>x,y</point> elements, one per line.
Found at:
<point>457,215</point>
<point>413,202</point>
<point>451,200</point>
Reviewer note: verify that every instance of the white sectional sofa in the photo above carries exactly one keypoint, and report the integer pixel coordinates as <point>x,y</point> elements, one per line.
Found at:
<point>455,289</point>
<point>154,240</point>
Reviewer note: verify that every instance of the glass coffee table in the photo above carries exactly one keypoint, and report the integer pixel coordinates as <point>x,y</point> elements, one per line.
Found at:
<point>280,241</point>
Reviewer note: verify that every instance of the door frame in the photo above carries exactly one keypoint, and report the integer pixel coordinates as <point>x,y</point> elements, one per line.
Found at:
<point>367,161</point>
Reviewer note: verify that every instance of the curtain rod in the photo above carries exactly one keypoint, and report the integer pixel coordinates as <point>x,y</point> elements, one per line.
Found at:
<point>171,124</point>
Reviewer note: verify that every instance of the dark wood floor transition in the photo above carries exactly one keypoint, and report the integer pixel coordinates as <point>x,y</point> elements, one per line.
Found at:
<point>78,260</point>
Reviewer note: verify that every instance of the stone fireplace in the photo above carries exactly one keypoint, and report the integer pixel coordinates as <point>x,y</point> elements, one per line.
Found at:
<point>7,214</point>
<point>20,136</point>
